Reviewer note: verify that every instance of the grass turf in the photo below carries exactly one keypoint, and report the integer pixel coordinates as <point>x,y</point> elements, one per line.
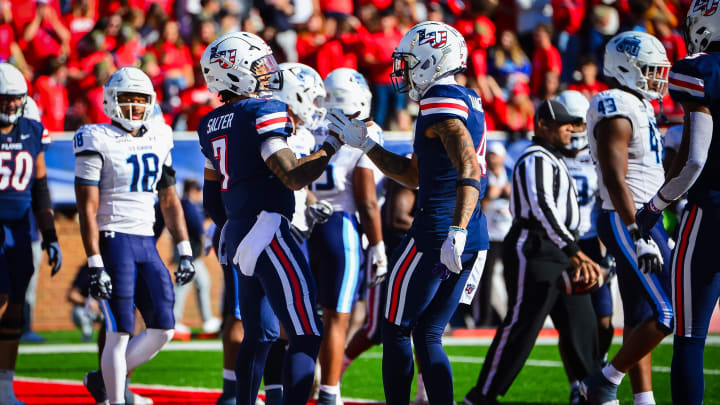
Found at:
<point>535,384</point>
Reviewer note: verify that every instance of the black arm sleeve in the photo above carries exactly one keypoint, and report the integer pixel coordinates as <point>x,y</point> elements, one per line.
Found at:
<point>41,195</point>
<point>167,179</point>
<point>212,202</point>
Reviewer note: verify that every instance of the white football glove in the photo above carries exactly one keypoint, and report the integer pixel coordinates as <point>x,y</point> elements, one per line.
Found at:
<point>452,249</point>
<point>351,131</point>
<point>648,256</point>
<point>377,257</point>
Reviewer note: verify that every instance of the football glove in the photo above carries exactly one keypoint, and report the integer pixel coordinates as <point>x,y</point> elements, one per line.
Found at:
<point>317,213</point>
<point>54,256</point>
<point>452,249</point>
<point>351,131</point>
<point>185,271</point>
<point>646,218</point>
<point>378,258</point>
<point>649,258</point>
<point>100,283</point>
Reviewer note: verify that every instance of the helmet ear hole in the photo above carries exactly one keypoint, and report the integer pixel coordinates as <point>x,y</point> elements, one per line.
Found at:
<point>233,77</point>
<point>299,97</point>
<point>623,69</point>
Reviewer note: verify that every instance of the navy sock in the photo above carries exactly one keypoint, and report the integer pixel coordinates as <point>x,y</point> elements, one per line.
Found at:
<point>299,368</point>
<point>397,363</point>
<point>686,375</point>
<point>436,370</point>
<point>273,373</point>
<point>249,366</point>
<point>229,388</point>
<point>274,363</point>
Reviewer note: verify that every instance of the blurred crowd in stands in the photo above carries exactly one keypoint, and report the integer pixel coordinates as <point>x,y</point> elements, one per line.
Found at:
<point>520,51</point>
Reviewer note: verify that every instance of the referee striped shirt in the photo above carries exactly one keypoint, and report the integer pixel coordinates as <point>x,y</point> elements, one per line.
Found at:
<point>544,195</point>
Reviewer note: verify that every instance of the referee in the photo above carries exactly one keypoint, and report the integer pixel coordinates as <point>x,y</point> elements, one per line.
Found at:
<point>540,245</point>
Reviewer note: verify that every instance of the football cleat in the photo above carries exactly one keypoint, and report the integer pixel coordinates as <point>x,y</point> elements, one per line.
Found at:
<point>95,385</point>
<point>597,390</point>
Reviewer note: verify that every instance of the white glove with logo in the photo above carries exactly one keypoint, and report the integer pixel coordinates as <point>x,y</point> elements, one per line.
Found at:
<point>351,131</point>
<point>377,257</point>
<point>452,249</point>
<point>649,258</point>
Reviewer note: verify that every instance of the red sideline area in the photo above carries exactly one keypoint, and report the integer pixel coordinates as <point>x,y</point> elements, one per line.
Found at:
<point>56,393</point>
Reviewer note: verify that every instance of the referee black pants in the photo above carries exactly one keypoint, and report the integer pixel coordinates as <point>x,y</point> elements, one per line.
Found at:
<point>532,266</point>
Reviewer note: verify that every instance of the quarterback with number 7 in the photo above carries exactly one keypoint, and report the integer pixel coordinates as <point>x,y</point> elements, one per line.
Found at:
<point>432,268</point>
<point>119,169</point>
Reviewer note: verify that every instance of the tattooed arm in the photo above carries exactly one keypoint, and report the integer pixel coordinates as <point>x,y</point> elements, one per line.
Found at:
<point>298,173</point>
<point>461,150</point>
<point>399,168</point>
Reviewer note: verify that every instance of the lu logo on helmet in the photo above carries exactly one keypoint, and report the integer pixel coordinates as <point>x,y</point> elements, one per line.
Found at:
<point>221,58</point>
<point>436,39</point>
<point>708,7</point>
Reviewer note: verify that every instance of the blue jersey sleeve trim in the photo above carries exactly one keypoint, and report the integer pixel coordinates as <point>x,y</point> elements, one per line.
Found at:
<point>85,182</point>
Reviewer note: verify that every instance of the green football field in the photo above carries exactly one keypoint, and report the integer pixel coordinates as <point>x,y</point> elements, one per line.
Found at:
<point>542,380</point>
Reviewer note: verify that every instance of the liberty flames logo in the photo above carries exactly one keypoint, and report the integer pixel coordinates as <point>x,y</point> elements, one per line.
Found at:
<point>469,288</point>
<point>436,39</point>
<point>708,7</point>
<point>225,58</point>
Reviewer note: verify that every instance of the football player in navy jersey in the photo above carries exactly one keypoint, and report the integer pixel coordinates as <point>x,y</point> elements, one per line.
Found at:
<point>23,187</point>
<point>430,272</point>
<point>250,175</point>
<point>694,83</point>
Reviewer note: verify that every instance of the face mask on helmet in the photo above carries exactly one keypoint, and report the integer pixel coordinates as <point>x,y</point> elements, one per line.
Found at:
<point>400,76</point>
<point>267,73</point>
<point>11,107</point>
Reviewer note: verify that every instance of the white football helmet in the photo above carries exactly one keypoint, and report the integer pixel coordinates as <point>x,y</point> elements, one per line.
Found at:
<point>12,83</point>
<point>302,91</point>
<point>638,61</point>
<point>348,91</point>
<point>241,63</point>
<point>577,105</point>
<point>128,80</point>
<point>428,52</point>
<point>702,25</point>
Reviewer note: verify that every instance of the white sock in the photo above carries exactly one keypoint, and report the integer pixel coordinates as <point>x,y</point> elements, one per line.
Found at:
<point>612,374</point>
<point>229,375</point>
<point>146,345</point>
<point>330,389</point>
<point>114,367</point>
<point>644,398</point>
<point>347,361</point>
<point>421,388</point>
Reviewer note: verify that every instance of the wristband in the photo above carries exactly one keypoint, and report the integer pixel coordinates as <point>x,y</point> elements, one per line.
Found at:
<point>458,229</point>
<point>466,181</point>
<point>95,261</point>
<point>184,248</point>
<point>657,204</point>
<point>49,235</point>
<point>333,142</point>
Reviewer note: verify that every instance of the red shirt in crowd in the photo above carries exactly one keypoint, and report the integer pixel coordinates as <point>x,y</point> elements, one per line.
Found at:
<point>544,61</point>
<point>674,46</point>
<point>95,111</point>
<point>568,15</point>
<point>129,54</point>
<point>52,100</point>
<point>78,26</point>
<point>588,90</point>
<point>337,6</point>
<point>383,45</point>
<point>7,37</point>
<point>170,56</point>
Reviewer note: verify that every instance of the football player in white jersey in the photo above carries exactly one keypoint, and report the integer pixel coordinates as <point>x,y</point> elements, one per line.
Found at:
<point>625,142</point>
<point>335,246</point>
<point>119,170</point>
<point>582,169</point>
